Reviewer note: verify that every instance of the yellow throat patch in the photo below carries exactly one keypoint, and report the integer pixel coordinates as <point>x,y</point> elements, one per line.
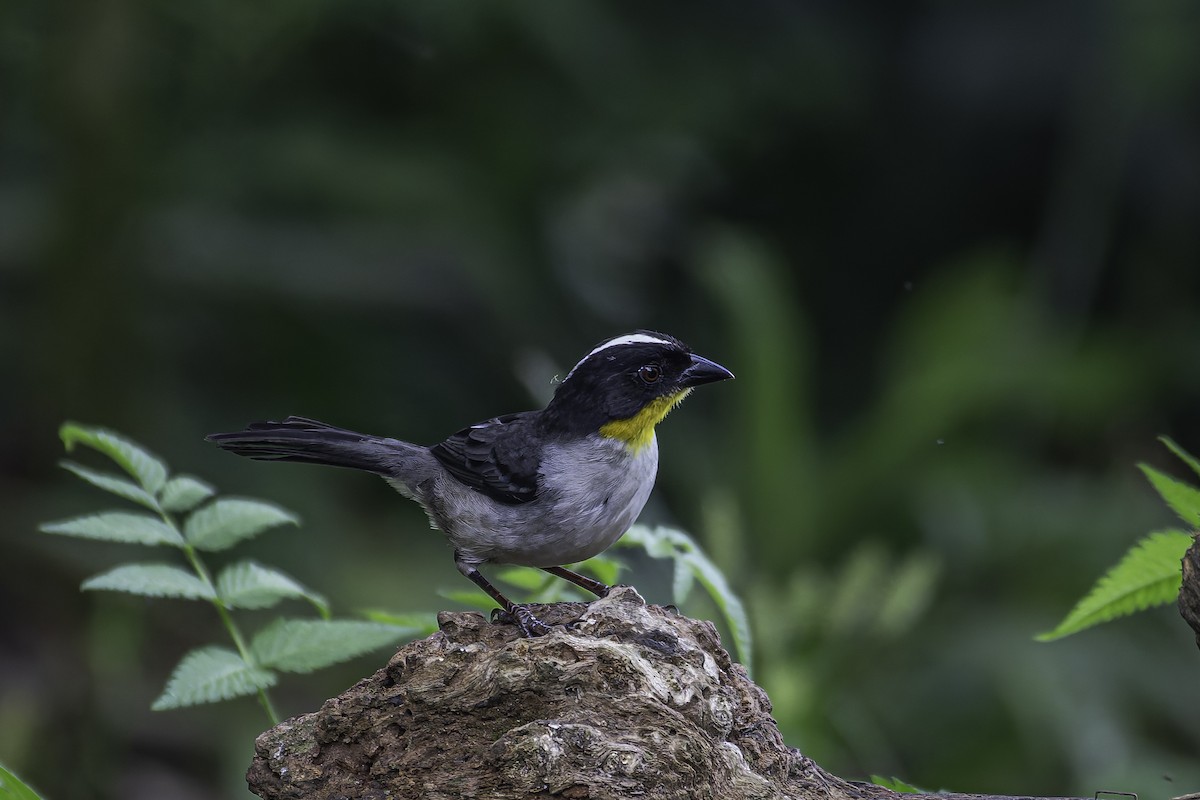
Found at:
<point>638,431</point>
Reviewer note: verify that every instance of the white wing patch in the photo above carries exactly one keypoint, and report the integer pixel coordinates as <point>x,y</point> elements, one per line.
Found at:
<point>629,338</point>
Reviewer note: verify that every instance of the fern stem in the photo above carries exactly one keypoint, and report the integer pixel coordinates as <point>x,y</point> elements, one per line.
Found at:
<point>235,633</point>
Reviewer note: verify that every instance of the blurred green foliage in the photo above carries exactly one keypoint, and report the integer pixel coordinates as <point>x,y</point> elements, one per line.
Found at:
<point>949,251</point>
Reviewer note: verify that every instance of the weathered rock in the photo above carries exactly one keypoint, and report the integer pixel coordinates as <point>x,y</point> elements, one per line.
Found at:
<point>625,700</point>
<point>1189,592</point>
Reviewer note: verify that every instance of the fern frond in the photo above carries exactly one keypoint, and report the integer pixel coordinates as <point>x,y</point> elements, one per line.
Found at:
<point>209,675</point>
<point>1148,575</point>
<point>13,788</point>
<point>114,484</point>
<point>151,580</point>
<point>117,526</point>
<point>223,523</point>
<point>147,470</point>
<point>183,493</point>
<point>248,584</point>
<point>304,645</point>
<point>1183,455</point>
<point>1183,498</point>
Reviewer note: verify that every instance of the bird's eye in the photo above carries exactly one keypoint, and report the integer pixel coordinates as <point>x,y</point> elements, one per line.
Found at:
<point>650,373</point>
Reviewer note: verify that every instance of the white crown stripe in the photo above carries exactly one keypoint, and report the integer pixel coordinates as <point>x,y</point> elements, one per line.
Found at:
<point>629,338</point>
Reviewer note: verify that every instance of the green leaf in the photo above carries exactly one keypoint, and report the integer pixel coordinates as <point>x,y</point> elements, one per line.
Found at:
<point>523,578</point>
<point>681,585</point>
<point>223,523</point>
<point>423,624</point>
<point>209,675</point>
<point>1148,575</point>
<point>1184,455</point>
<point>477,600</point>
<point>183,493</point>
<point>247,584</point>
<point>1183,498</point>
<point>896,785</point>
<point>115,484</point>
<point>146,469</point>
<point>118,526</point>
<point>602,568</point>
<point>151,580</point>
<point>303,645</point>
<point>13,788</point>
<point>655,541</point>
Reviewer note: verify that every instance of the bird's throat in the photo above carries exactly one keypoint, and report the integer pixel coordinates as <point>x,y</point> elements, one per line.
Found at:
<point>638,431</point>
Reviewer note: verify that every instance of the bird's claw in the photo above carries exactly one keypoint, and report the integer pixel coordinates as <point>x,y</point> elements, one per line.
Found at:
<point>523,618</point>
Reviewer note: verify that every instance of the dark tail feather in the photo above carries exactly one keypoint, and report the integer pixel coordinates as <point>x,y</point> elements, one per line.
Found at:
<point>307,441</point>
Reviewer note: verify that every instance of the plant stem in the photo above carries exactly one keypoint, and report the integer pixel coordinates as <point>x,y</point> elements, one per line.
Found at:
<point>235,633</point>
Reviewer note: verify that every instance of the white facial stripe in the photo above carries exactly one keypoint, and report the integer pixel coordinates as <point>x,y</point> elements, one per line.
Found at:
<point>629,338</point>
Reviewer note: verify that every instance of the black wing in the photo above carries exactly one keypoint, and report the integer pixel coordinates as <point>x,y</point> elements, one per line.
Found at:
<point>499,457</point>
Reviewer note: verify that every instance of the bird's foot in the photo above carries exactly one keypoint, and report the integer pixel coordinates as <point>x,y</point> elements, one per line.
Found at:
<point>523,618</point>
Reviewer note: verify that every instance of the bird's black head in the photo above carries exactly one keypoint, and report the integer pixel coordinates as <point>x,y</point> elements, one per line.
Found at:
<point>627,384</point>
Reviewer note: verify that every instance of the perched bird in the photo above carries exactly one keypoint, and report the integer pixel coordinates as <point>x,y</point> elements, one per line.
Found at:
<point>536,488</point>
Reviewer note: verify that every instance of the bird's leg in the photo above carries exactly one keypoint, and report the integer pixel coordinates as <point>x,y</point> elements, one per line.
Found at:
<point>526,621</point>
<point>584,582</point>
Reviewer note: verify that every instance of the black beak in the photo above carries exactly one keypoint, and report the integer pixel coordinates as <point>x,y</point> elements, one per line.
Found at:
<point>703,371</point>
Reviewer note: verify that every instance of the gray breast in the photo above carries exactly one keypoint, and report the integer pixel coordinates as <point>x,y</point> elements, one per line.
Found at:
<point>592,491</point>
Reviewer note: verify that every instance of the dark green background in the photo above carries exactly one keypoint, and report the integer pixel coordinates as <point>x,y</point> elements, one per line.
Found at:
<point>951,251</point>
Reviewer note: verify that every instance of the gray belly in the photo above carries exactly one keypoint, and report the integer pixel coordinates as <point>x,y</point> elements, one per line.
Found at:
<point>592,493</point>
